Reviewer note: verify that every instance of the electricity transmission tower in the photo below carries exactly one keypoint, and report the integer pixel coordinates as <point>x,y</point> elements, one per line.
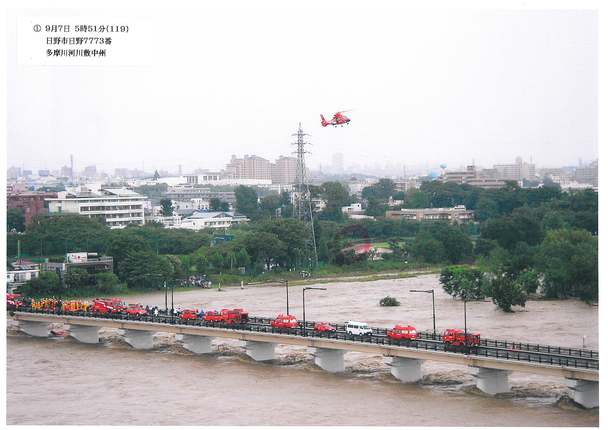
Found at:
<point>302,205</point>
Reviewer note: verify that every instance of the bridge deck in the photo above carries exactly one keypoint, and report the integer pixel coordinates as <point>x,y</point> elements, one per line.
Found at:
<point>488,357</point>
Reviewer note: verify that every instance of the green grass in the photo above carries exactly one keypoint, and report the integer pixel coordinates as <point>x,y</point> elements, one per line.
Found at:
<point>363,271</point>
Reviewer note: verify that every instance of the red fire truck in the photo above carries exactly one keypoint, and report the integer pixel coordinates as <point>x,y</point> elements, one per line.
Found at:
<point>454,339</point>
<point>107,306</point>
<point>323,327</point>
<point>403,332</point>
<point>135,309</point>
<point>227,316</point>
<point>284,321</point>
<point>188,314</point>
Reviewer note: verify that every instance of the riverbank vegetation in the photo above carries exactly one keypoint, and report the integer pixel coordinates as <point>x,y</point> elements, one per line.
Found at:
<point>521,242</point>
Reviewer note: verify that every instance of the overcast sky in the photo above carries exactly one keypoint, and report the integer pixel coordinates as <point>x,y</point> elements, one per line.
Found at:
<point>424,87</point>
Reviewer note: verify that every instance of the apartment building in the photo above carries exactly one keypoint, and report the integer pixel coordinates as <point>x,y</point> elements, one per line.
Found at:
<point>460,176</point>
<point>515,172</point>
<point>188,193</point>
<point>484,178</point>
<point>249,167</point>
<point>284,170</point>
<point>253,168</point>
<point>118,207</point>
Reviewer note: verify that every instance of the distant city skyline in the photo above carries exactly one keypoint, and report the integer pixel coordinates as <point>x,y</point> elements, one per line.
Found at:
<point>328,164</point>
<point>329,167</point>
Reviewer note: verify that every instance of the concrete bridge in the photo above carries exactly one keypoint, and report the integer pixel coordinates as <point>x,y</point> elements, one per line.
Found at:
<point>405,362</point>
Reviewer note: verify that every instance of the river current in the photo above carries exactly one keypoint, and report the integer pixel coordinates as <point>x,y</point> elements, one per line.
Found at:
<point>60,381</point>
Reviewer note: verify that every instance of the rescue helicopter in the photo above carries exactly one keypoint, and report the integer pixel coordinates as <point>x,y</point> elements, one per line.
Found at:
<point>338,120</point>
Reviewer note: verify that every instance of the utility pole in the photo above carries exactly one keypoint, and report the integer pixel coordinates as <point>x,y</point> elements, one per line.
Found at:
<point>166,307</point>
<point>302,198</point>
<point>287,294</point>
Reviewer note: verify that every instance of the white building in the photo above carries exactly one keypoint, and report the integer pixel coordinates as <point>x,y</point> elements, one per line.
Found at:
<point>352,208</point>
<point>360,216</point>
<point>457,214</point>
<point>392,202</point>
<point>219,180</point>
<point>195,203</point>
<point>484,178</point>
<point>515,172</point>
<point>16,278</point>
<point>573,185</point>
<point>488,183</point>
<point>243,181</point>
<point>215,220</point>
<point>460,176</point>
<point>318,204</point>
<point>118,207</point>
<point>173,221</point>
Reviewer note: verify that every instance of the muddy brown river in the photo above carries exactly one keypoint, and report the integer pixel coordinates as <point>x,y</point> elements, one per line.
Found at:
<point>60,381</point>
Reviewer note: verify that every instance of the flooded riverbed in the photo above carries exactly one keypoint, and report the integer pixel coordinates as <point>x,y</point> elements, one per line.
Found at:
<point>59,381</point>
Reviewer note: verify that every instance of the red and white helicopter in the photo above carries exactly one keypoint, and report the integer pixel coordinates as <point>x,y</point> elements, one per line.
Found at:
<point>338,120</point>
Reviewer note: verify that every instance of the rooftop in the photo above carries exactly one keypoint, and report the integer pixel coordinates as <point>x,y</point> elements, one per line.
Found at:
<point>208,215</point>
<point>104,192</point>
<point>455,208</point>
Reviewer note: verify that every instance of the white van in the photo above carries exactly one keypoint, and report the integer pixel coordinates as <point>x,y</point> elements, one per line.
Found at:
<point>357,328</point>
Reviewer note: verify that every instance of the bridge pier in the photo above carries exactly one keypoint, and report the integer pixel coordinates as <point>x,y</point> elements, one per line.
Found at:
<point>139,339</point>
<point>585,393</point>
<point>407,370</point>
<point>492,381</point>
<point>84,333</point>
<point>331,360</point>
<point>260,351</point>
<point>196,344</point>
<point>34,328</point>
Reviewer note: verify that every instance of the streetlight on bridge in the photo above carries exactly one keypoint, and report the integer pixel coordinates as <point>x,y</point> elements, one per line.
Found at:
<point>464,299</point>
<point>287,293</point>
<point>304,304</point>
<point>432,291</point>
<point>165,287</point>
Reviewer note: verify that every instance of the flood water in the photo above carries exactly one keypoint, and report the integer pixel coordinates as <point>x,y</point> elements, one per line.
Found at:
<point>60,381</point>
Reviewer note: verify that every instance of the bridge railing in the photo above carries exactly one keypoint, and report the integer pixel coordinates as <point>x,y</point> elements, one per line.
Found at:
<point>543,354</point>
<point>524,347</point>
